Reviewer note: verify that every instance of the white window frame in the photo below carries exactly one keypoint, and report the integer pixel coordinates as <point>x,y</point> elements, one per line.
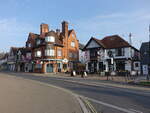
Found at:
<point>49,52</point>
<point>29,44</point>
<point>72,44</point>
<point>50,39</point>
<point>38,53</point>
<point>28,55</point>
<point>38,42</point>
<point>59,52</point>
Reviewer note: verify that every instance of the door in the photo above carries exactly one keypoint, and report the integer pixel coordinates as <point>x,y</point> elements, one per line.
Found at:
<point>49,68</point>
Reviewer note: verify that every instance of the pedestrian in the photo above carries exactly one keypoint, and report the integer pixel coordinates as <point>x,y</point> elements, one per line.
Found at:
<point>82,74</point>
<point>85,74</point>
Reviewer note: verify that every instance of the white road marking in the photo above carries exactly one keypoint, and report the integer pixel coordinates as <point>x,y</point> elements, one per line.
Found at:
<point>112,106</point>
<point>137,111</point>
<point>107,86</point>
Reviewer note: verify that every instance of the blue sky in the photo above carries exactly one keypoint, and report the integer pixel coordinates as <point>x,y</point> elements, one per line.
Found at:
<point>96,18</point>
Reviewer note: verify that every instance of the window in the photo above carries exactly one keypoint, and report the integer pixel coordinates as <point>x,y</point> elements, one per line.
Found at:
<point>73,35</point>
<point>38,42</point>
<point>73,44</point>
<point>38,66</point>
<point>59,52</point>
<point>70,55</point>
<point>49,52</point>
<point>28,55</point>
<point>38,53</point>
<point>136,64</point>
<point>50,39</point>
<point>75,55</point>
<point>64,66</point>
<point>29,45</point>
<point>93,53</point>
<point>120,52</point>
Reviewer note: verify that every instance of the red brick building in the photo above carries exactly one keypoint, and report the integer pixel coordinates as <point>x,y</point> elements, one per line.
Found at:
<point>53,51</point>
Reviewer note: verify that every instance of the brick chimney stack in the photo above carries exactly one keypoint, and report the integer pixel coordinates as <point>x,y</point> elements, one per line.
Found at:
<point>65,28</point>
<point>44,28</point>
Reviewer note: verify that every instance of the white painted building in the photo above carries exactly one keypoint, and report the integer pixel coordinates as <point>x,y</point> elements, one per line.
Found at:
<point>112,53</point>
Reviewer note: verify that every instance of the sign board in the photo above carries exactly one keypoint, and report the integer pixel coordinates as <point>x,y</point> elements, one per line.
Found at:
<point>145,69</point>
<point>65,60</point>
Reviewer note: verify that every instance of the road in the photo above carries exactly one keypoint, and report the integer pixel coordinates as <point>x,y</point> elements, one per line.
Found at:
<point>104,98</point>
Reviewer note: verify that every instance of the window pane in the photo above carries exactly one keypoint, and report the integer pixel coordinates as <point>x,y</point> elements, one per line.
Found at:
<point>73,44</point>
<point>50,52</point>
<point>50,39</point>
<point>59,52</point>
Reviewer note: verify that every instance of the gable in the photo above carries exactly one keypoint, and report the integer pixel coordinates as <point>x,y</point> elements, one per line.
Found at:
<point>72,34</point>
<point>92,44</point>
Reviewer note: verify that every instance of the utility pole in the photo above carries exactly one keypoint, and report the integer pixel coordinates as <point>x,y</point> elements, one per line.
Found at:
<point>130,41</point>
<point>149,54</point>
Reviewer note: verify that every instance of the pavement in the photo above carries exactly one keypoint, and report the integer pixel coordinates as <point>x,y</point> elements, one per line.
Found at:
<point>18,95</point>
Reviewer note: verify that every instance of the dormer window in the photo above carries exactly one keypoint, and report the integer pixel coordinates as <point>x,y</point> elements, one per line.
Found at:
<point>50,39</point>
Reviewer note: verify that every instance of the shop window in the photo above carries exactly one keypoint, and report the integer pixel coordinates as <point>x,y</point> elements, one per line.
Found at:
<point>38,66</point>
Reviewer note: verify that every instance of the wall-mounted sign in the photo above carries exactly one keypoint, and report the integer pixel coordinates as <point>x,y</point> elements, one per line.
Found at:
<point>145,69</point>
<point>65,60</point>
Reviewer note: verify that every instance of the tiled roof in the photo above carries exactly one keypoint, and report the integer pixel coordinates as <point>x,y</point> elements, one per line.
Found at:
<point>33,35</point>
<point>109,42</point>
<point>14,49</point>
<point>50,33</point>
<point>114,41</point>
<point>99,42</point>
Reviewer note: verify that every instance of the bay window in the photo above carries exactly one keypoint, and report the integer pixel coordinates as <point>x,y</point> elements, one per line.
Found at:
<point>49,52</point>
<point>50,39</point>
<point>59,52</point>
<point>38,53</point>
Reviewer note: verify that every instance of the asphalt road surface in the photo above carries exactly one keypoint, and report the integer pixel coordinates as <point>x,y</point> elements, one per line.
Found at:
<point>105,99</point>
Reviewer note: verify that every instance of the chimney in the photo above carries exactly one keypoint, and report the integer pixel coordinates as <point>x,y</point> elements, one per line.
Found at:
<point>58,31</point>
<point>44,28</point>
<point>65,28</point>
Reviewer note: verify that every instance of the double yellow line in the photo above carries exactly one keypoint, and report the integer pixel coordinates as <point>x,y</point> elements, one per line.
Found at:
<point>90,106</point>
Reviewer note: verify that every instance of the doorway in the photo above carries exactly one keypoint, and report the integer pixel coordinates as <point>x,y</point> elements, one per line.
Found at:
<point>49,68</point>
